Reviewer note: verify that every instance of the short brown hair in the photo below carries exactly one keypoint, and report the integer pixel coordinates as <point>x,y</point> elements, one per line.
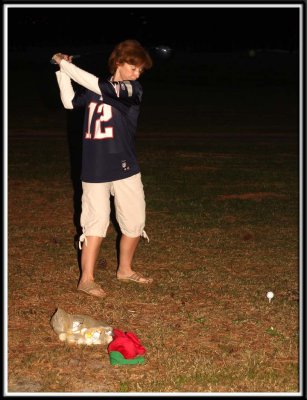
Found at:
<point>131,52</point>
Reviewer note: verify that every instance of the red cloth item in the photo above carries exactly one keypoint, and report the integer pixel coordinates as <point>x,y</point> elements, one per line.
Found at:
<point>127,343</point>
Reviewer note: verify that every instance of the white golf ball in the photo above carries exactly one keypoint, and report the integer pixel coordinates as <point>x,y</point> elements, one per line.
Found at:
<point>270,295</point>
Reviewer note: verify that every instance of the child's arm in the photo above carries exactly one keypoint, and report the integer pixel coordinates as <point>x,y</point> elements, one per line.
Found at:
<point>66,90</point>
<point>130,92</point>
<point>89,81</point>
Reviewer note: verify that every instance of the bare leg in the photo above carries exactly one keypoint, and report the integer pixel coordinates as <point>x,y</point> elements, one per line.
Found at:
<point>90,252</point>
<point>127,249</point>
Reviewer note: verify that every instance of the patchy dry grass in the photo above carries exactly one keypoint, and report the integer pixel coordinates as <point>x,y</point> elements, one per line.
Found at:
<point>214,253</point>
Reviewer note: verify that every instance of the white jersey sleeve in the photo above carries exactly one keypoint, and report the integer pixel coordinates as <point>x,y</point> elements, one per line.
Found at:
<point>89,81</point>
<point>66,90</point>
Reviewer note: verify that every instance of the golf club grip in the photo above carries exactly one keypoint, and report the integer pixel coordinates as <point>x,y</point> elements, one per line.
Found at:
<point>73,57</point>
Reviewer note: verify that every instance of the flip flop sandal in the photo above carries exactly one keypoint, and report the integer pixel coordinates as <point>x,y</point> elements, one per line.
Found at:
<point>90,287</point>
<point>136,277</point>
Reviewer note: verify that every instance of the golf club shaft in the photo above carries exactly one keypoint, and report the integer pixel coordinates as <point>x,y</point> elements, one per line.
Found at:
<point>162,49</point>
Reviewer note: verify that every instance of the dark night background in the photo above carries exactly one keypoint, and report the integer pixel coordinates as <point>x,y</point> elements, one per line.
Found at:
<point>196,29</point>
<point>233,69</point>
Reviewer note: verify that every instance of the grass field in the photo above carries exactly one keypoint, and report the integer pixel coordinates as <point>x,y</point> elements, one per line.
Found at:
<point>223,221</point>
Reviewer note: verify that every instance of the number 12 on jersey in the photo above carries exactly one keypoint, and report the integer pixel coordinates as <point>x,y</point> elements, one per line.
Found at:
<point>105,114</point>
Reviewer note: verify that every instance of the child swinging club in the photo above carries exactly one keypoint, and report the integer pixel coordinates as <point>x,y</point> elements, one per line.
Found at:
<point>109,162</point>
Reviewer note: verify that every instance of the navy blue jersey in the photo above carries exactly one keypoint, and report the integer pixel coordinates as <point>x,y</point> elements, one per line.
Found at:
<point>109,130</point>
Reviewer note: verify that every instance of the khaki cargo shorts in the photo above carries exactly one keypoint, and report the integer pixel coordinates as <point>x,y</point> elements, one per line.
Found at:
<point>129,201</point>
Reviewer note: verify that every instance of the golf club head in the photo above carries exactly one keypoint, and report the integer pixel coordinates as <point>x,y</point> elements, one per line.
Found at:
<point>162,51</point>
